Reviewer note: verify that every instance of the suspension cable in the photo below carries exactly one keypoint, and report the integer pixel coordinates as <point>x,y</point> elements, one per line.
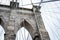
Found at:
<point>40,35</point>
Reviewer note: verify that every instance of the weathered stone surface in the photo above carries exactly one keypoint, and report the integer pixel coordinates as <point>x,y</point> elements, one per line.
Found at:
<point>13,19</point>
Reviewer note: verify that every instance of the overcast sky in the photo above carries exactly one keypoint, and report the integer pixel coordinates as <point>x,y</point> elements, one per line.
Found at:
<point>50,13</point>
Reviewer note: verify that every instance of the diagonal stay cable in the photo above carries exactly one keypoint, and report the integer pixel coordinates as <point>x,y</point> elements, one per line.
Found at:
<point>40,35</point>
<point>50,27</point>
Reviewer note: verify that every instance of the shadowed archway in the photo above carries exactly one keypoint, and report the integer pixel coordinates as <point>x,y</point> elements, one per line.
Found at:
<point>1,22</point>
<point>29,27</point>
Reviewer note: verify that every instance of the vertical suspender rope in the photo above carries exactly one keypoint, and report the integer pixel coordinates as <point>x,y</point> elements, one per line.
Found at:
<point>40,2</point>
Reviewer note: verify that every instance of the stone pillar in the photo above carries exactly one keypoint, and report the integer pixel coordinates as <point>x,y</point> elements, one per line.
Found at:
<point>40,26</point>
<point>36,9</point>
<point>10,28</point>
<point>42,29</point>
<point>10,35</point>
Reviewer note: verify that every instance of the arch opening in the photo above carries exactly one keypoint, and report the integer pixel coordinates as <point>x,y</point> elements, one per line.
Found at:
<point>29,27</point>
<point>23,34</point>
<point>2,31</point>
<point>35,35</point>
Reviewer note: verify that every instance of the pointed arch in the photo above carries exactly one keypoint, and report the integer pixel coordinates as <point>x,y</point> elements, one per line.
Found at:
<point>28,26</point>
<point>24,34</point>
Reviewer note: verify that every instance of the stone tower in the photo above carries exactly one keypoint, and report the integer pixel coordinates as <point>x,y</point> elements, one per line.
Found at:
<point>12,20</point>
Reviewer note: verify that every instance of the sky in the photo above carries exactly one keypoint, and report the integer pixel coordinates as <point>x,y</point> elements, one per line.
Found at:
<point>50,13</point>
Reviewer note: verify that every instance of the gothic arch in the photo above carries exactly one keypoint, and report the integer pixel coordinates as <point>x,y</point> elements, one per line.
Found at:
<point>24,34</point>
<point>27,26</point>
<point>29,22</point>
